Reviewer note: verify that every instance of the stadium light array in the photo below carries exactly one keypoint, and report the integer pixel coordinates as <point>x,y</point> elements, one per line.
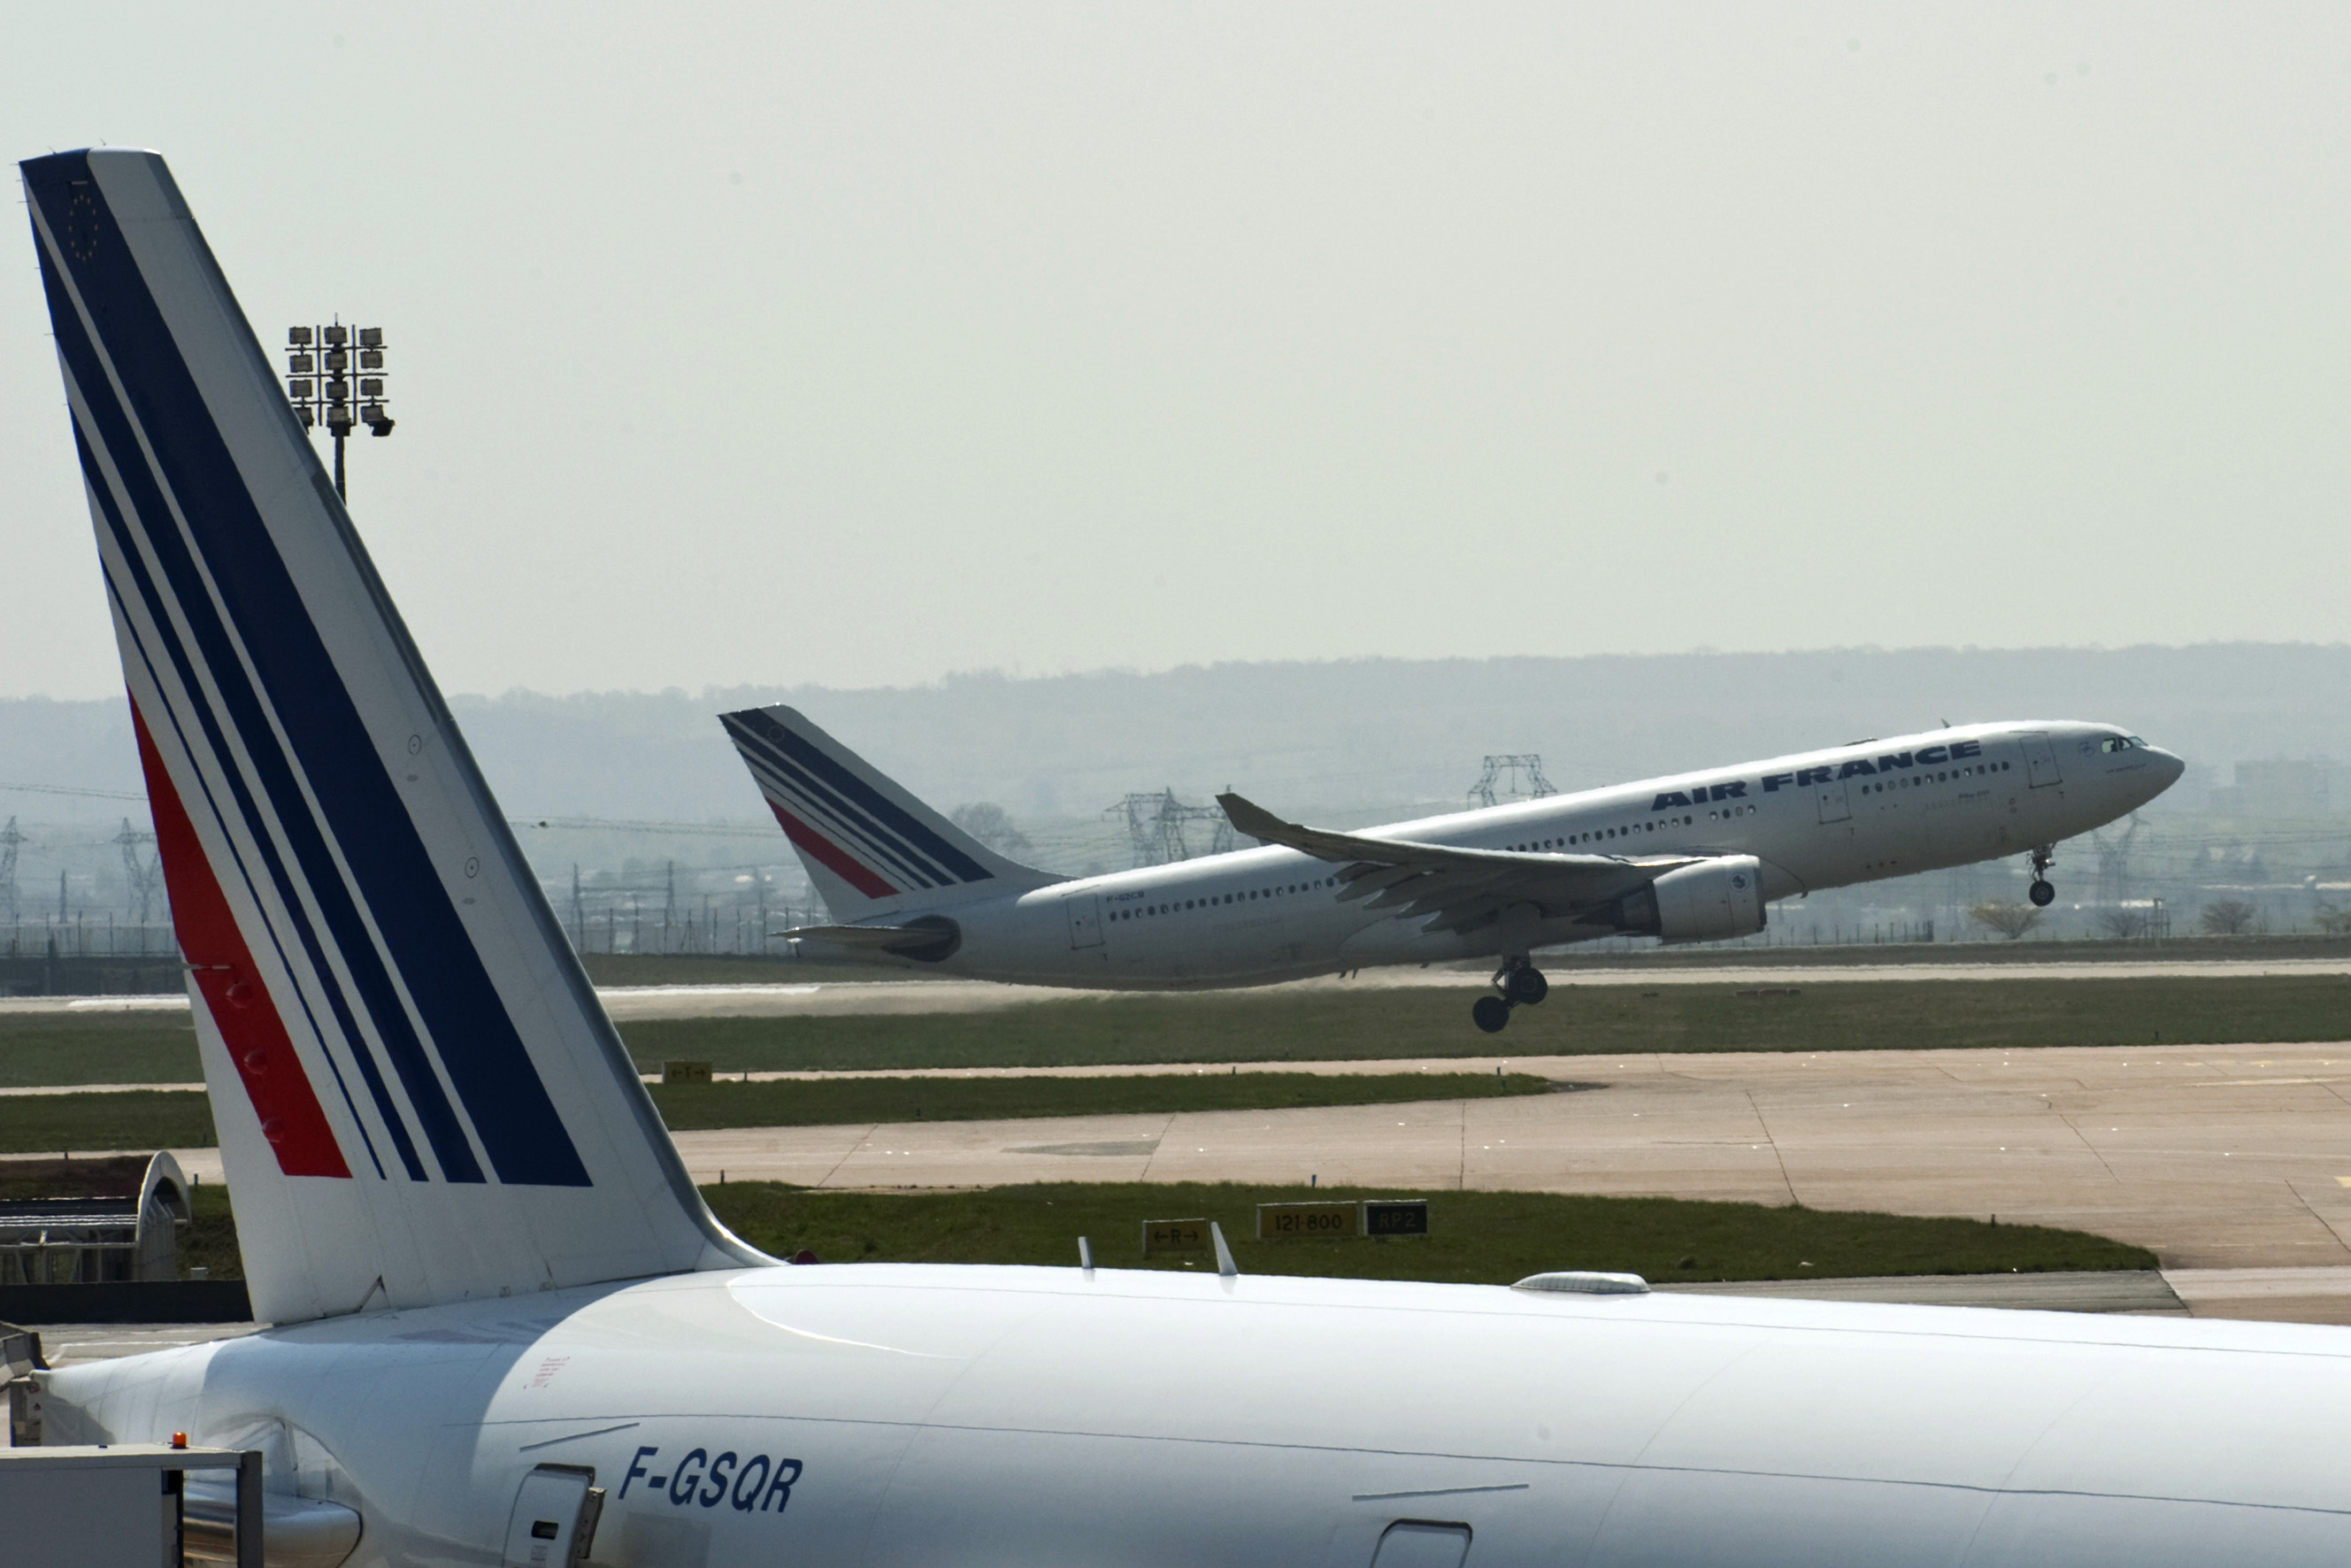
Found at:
<point>334,377</point>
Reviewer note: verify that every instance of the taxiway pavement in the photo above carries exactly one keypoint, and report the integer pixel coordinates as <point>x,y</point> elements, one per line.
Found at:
<point>2235,1157</point>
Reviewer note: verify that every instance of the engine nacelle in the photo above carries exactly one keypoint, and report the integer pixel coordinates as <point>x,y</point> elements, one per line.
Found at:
<point>1705,903</point>
<point>931,940</point>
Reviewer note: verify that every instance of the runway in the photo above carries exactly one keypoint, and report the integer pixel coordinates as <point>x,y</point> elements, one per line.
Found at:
<point>629,1004</point>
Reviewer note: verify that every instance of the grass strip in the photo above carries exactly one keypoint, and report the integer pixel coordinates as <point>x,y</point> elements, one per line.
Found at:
<point>731,969</point>
<point>1474,1236</point>
<point>1367,1025</point>
<point>1577,1021</point>
<point>39,1048</point>
<point>210,1240</point>
<point>137,1119</point>
<point>150,1118</point>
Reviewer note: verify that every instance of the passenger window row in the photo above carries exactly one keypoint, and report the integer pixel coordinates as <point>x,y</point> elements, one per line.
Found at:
<point>1907,782</point>
<point>1602,834</point>
<point>1178,905</point>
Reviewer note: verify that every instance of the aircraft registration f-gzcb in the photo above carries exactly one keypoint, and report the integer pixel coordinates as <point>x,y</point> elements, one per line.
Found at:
<point>508,1332</point>
<point>1697,857</point>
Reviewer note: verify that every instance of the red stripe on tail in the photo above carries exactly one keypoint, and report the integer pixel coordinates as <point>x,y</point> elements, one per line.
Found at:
<point>239,1003</point>
<point>807,838</point>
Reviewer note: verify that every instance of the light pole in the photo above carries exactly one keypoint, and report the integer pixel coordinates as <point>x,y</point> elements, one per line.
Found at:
<point>334,377</point>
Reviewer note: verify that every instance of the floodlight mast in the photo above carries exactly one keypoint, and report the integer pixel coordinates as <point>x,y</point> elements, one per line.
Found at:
<point>334,377</point>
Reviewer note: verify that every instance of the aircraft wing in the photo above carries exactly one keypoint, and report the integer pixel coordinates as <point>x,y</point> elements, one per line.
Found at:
<point>1460,888</point>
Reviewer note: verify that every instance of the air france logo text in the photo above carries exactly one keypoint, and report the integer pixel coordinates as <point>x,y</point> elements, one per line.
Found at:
<point>1827,773</point>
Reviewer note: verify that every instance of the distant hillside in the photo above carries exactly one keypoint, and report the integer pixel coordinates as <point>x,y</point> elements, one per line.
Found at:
<point>1339,736</point>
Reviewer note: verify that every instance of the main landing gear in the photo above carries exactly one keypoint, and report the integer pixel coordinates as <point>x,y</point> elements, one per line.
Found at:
<point>2042,891</point>
<point>1521,985</point>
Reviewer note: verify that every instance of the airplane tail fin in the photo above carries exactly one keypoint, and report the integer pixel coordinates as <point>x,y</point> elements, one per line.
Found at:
<point>419,1098</point>
<point>869,847</point>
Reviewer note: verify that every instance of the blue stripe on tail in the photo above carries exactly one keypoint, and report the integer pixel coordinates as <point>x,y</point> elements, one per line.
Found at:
<point>363,815</point>
<point>808,765</point>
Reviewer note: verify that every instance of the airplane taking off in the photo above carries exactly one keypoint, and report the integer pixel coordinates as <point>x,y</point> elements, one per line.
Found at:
<point>1696,857</point>
<point>505,1330</point>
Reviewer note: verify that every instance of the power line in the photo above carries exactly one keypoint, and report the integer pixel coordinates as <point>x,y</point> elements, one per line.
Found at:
<point>9,840</point>
<point>142,873</point>
<point>1154,827</point>
<point>754,830</point>
<point>68,790</point>
<point>1484,793</point>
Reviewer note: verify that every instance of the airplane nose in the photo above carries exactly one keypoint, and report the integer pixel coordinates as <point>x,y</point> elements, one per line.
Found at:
<point>2172,767</point>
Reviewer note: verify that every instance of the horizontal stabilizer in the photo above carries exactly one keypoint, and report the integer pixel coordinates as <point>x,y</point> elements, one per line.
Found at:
<point>929,940</point>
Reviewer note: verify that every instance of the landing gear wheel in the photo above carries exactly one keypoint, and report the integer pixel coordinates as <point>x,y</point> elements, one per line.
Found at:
<point>1525,986</point>
<point>2041,893</point>
<point>1490,1013</point>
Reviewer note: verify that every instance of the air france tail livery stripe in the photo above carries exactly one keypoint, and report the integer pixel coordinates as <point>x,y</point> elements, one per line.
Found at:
<point>304,749</point>
<point>220,967</point>
<point>869,846</point>
<point>368,956</point>
<point>798,776</point>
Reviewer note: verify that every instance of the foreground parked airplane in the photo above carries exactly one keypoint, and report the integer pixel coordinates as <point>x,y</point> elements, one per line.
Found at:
<point>1693,858</point>
<point>508,1331</point>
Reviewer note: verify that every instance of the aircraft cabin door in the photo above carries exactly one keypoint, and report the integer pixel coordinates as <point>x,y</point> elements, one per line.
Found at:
<point>1416,1543</point>
<point>554,1520</point>
<point>1085,919</point>
<point>1835,804</point>
<point>2039,759</point>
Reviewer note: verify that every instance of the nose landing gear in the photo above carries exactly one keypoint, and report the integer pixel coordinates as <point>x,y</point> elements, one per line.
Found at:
<point>2042,893</point>
<point>1521,985</point>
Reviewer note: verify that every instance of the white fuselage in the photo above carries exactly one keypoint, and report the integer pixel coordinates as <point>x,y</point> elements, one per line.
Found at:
<point>1820,820</point>
<point>934,1415</point>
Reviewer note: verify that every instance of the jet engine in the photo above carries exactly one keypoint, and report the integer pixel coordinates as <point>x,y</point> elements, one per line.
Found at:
<point>1704,903</point>
<point>929,939</point>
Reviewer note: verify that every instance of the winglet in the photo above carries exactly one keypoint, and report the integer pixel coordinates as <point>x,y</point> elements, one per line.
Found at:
<point>1248,817</point>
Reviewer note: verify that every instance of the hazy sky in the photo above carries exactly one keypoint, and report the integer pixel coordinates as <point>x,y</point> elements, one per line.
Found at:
<point>857,344</point>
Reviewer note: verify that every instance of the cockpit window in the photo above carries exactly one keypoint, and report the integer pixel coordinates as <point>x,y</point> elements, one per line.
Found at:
<point>2122,743</point>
